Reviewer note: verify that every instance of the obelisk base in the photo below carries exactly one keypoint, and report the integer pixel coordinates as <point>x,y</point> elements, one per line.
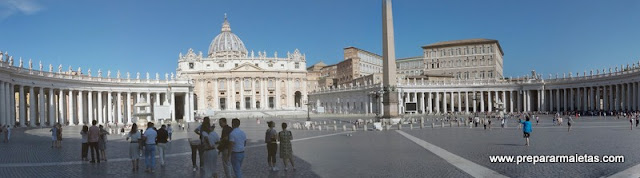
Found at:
<point>390,105</point>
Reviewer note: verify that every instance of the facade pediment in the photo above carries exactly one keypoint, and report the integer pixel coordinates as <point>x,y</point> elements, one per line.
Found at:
<point>247,67</point>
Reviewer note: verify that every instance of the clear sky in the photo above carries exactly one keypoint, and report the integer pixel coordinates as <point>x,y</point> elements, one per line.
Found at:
<point>549,36</point>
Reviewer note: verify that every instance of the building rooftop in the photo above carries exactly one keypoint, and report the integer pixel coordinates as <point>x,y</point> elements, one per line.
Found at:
<point>410,58</point>
<point>462,42</point>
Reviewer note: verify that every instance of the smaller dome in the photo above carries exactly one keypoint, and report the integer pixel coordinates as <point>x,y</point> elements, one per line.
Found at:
<point>227,44</point>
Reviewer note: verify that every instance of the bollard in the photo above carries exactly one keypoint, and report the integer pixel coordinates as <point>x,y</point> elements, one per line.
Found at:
<point>411,126</point>
<point>335,127</point>
<point>320,128</point>
<point>340,122</point>
<point>400,126</point>
<point>388,127</point>
<point>354,127</point>
<point>325,122</point>
<point>365,128</point>
<point>442,123</point>
<point>334,122</point>
<point>433,125</point>
<point>344,128</point>
<point>421,125</point>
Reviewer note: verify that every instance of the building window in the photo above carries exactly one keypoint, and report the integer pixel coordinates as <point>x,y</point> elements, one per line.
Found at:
<point>270,65</point>
<point>191,65</point>
<point>237,85</point>
<point>256,64</point>
<point>223,103</point>
<point>221,85</point>
<point>236,64</point>
<point>297,65</point>
<point>282,66</point>
<point>247,84</point>
<point>208,66</point>
<point>221,65</point>
<point>271,84</point>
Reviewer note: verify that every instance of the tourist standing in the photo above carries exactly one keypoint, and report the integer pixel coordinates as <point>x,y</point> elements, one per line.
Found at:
<point>150,147</point>
<point>270,138</point>
<point>161,142</point>
<point>237,141</point>
<point>223,147</point>
<point>170,131</point>
<point>286,150</point>
<point>102,143</point>
<point>537,120</point>
<point>196,146</point>
<point>54,136</point>
<point>209,141</point>
<point>94,137</point>
<point>7,134</point>
<point>85,142</point>
<point>134,146</point>
<point>526,128</point>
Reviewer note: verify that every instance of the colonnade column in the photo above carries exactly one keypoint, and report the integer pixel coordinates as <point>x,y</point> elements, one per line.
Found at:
<point>466,101</point>
<point>41,107</point>
<point>475,102</point>
<point>453,107</point>
<point>510,101</point>
<point>540,100</point>
<point>173,106</point>
<point>504,101</point>
<point>186,108</point>
<point>22,106</point>
<point>71,108</point>
<point>110,118</point>
<point>585,99</point>
<point>3,98</point>
<point>119,107</point>
<point>481,101</point>
<point>191,114</point>
<point>129,111</point>
<point>593,98</point>
<point>564,101</point>
<point>32,107</point>
<point>490,108</point>
<point>90,117</point>
<point>80,108</point>
<point>100,115</point>
<point>459,101</point>
<point>437,102</point>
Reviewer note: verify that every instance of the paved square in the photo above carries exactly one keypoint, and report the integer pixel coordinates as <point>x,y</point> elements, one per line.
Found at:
<point>339,153</point>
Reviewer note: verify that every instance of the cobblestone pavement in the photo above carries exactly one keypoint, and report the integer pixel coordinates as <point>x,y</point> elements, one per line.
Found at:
<point>336,153</point>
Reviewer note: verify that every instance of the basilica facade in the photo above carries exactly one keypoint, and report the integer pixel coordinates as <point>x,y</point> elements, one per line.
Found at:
<point>229,77</point>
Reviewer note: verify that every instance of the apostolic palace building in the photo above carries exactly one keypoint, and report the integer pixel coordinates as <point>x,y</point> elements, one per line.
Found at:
<point>462,76</point>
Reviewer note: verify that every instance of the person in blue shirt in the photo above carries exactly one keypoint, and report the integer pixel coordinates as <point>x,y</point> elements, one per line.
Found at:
<point>526,128</point>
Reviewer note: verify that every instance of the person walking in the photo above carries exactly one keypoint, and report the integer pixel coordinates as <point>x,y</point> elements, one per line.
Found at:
<point>270,138</point>
<point>286,150</point>
<point>209,141</point>
<point>85,142</point>
<point>569,122</point>
<point>134,146</point>
<point>94,137</point>
<point>59,135</point>
<point>223,147</point>
<point>102,143</point>
<point>537,120</point>
<point>54,136</point>
<point>161,143</point>
<point>150,147</point>
<point>237,141</point>
<point>526,128</point>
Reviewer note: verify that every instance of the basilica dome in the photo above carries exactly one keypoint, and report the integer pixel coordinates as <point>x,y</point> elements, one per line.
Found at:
<point>227,44</point>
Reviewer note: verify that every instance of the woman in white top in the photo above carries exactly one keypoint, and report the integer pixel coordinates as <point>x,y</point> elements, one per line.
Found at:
<point>210,140</point>
<point>134,150</point>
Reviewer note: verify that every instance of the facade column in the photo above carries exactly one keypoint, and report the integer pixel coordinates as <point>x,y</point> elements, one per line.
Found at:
<point>148,101</point>
<point>504,100</point>
<point>22,106</point>
<point>594,100</point>
<point>564,100</point>
<point>453,105</point>
<point>61,117</point>
<point>551,100</point>
<point>585,99</point>
<point>215,103</point>
<point>80,108</point>
<point>119,106</point>
<point>605,98</point>
<point>242,102</point>
<point>32,107</point>
<point>539,94</point>
<point>612,102</point>
<point>90,116</point>
<point>100,108</point>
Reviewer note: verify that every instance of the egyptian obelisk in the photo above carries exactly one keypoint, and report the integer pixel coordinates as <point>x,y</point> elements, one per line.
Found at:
<point>390,97</point>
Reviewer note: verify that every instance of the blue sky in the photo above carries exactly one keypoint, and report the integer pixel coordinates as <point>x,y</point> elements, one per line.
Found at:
<point>147,36</point>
